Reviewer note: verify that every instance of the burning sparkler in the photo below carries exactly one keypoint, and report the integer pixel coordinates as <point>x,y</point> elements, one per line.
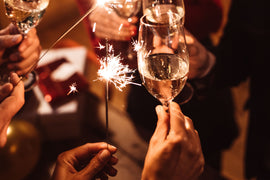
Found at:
<point>114,71</point>
<point>73,89</point>
<point>136,45</point>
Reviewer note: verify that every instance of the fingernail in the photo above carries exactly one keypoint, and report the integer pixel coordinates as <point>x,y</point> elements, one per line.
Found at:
<point>159,108</point>
<point>104,155</point>
<point>113,148</point>
<point>13,75</point>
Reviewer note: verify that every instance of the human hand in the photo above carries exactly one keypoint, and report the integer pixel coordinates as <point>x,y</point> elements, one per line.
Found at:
<point>201,61</point>
<point>11,101</point>
<point>89,161</point>
<point>107,24</point>
<point>174,151</point>
<point>24,51</point>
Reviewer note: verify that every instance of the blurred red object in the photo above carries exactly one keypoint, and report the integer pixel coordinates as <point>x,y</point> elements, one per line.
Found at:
<point>55,91</point>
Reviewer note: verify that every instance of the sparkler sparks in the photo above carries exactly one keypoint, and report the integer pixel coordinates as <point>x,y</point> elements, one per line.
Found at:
<point>100,46</point>
<point>73,89</point>
<point>113,71</point>
<point>136,45</point>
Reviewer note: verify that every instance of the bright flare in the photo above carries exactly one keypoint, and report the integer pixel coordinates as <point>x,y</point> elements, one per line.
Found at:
<point>72,88</point>
<point>112,70</point>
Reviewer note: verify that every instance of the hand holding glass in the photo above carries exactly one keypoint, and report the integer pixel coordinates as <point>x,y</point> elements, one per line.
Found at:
<point>25,15</point>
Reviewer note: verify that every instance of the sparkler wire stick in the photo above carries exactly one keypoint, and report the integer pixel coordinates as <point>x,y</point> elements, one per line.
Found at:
<point>107,93</point>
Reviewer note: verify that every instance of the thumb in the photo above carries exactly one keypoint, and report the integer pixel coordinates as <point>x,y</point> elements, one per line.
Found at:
<point>96,164</point>
<point>8,41</point>
<point>163,122</point>
<point>5,90</point>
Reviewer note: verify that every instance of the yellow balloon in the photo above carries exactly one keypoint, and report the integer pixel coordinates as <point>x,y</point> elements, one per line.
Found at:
<point>21,152</point>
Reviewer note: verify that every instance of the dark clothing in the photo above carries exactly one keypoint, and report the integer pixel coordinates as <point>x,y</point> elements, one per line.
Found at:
<point>242,54</point>
<point>203,17</point>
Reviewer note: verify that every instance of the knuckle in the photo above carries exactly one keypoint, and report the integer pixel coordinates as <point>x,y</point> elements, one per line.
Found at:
<point>61,156</point>
<point>154,140</point>
<point>178,140</point>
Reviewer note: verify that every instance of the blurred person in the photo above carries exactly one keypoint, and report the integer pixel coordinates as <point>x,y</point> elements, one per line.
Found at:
<point>105,25</point>
<point>18,53</point>
<point>241,55</point>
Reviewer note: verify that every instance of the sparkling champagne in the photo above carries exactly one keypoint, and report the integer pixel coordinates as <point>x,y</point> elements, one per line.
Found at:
<point>164,75</point>
<point>25,14</point>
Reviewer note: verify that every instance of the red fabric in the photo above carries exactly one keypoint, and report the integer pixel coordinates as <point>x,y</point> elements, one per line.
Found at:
<point>84,6</point>
<point>203,17</point>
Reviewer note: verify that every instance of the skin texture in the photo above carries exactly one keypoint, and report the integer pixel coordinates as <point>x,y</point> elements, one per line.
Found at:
<point>89,161</point>
<point>11,100</point>
<point>18,53</point>
<point>175,150</point>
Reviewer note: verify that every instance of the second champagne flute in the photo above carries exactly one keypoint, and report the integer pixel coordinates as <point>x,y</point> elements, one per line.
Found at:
<point>126,9</point>
<point>163,60</point>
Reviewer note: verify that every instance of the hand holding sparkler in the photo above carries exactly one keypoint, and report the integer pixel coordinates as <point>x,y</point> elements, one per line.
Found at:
<point>89,161</point>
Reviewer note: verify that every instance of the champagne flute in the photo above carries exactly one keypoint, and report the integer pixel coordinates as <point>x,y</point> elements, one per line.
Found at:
<point>126,9</point>
<point>163,60</point>
<point>153,8</point>
<point>25,15</point>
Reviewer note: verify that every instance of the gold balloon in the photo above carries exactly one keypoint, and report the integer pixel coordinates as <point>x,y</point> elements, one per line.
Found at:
<point>21,152</point>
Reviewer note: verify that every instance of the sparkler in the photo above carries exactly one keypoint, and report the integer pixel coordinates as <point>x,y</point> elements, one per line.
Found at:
<point>113,71</point>
<point>136,45</point>
<point>73,89</point>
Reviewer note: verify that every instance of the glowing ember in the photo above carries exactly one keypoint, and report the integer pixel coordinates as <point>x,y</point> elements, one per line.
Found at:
<point>136,45</point>
<point>100,46</point>
<point>112,70</point>
<point>73,89</point>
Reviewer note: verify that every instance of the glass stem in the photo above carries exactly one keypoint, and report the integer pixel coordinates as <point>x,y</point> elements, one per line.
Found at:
<point>166,105</point>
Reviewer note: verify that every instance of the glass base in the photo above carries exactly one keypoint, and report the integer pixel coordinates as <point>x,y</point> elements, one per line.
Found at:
<point>185,95</point>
